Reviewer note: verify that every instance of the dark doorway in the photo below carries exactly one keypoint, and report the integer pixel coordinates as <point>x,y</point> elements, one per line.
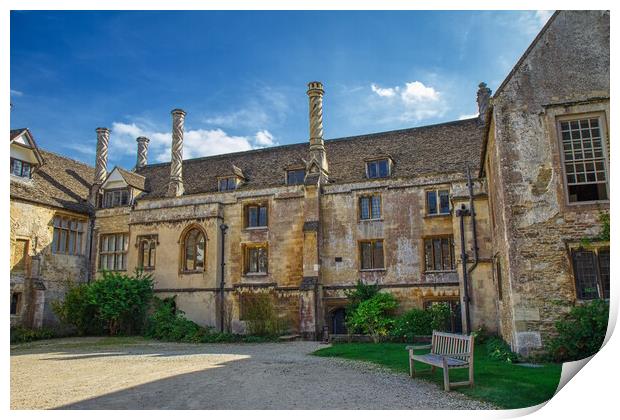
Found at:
<point>337,321</point>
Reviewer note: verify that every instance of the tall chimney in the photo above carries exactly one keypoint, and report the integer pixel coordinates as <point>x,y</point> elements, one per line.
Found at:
<point>175,186</point>
<point>318,157</point>
<point>143,148</point>
<point>101,163</point>
<point>484,100</point>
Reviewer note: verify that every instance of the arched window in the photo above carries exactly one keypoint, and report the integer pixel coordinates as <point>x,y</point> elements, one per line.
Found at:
<point>146,252</point>
<point>193,247</point>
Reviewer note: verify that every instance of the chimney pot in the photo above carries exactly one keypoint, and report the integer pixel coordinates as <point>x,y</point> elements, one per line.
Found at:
<point>317,166</point>
<point>143,147</point>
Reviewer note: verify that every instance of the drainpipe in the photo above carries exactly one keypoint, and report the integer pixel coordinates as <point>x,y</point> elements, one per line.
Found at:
<point>223,228</point>
<point>461,213</point>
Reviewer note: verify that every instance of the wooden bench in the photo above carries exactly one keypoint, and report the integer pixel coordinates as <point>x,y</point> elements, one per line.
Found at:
<point>448,351</point>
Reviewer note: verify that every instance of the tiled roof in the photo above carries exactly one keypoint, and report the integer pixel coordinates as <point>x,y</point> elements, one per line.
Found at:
<point>17,132</point>
<point>59,182</point>
<point>434,149</point>
<point>133,179</point>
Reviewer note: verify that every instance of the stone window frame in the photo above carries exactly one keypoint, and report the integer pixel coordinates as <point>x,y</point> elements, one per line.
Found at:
<point>227,179</point>
<point>498,276</point>
<point>80,239</point>
<point>246,249</point>
<point>373,242</point>
<point>390,164</point>
<point>550,120</point>
<point>152,241</point>
<point>452,253</point>
<point>372,217</point>
<point>294,169</point>
<point>437,192</point>
<point>17,303</point>
<point>595,248</point>
<point>115,253</point>
<point>246,214</point>
<point>183,250</point>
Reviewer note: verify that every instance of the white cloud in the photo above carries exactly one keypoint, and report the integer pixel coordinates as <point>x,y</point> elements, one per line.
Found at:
<point>416,92</point>
<point>16,93</point>
<point>264,138</point>
<point>384,92</point>
<point>412,102</point>
<point>196,143</point>
<point>468,116</point>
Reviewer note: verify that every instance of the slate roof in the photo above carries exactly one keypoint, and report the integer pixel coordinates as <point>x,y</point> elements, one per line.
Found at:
<point>131,178</point>
<point>434,149</point>
<point>60,182</point>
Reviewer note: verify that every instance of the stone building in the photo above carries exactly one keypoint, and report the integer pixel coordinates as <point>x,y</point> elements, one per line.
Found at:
<point>479,213</point>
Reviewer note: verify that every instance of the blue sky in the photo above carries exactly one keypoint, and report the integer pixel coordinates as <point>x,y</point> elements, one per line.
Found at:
<point>241,76</point>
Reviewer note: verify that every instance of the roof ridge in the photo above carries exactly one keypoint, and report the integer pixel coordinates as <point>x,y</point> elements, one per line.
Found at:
<point>337,139</point>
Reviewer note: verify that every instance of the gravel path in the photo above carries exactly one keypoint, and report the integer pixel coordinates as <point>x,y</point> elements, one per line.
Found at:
<point>87,373</point>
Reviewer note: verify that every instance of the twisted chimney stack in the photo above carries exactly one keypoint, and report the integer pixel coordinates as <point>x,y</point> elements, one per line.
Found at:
<point>318,157</point>
<point>175,186</point>
<point>101,160</point>
<point>143,148</point>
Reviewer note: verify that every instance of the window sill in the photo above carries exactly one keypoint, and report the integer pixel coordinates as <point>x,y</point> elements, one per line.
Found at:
<point>191,271</point>
<point>370,270</point>
<point>430,216</point>
<point>440,272</point>
<point>371,220</point>
<point>112,271</point>
<point>255,274</point>
<point>257,228</point>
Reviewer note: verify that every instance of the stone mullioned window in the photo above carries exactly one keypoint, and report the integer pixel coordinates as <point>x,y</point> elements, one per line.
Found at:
<point>371,255</point>
<point>68,236</point>
<point>591,269</point>
<point>437,202</point>
<point>113,252</point>
<point>439,254</point>
<point>370,207</point>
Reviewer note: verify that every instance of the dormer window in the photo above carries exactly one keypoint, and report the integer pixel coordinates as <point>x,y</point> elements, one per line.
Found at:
<point>379,168</point>
<point>115,198</point>
<point>20,168</point>
<point>295,176</point>
<point>227,184</point>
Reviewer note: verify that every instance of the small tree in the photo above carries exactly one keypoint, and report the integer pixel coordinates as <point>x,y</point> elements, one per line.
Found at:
<point>374,316</point>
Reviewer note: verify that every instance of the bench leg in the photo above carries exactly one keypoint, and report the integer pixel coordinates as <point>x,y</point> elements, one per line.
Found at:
<point>411,364</point>
<point>446,376</point>
<point>471,374</point>
<point>433,370</point>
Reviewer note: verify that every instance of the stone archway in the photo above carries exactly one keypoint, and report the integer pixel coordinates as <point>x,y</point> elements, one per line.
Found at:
<point>337,321</point>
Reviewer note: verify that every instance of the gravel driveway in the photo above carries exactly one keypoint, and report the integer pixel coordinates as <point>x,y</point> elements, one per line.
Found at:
<point>94,373</point>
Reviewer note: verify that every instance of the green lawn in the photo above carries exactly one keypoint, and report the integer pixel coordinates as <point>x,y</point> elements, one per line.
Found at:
<point>501,383</point>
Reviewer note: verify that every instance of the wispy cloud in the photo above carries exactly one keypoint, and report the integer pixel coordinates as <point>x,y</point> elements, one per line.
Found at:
<point>16,93</point>
<point>412,102</point>
<point>196,142</point>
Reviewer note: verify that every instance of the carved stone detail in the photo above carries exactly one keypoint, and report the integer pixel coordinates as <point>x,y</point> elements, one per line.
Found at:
<point>103,138</point>
<point>175,186</point>
<point>317,146</point>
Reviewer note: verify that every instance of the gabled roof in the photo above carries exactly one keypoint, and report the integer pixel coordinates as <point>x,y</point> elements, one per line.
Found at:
<point>60,182</point>
<point>131,178</point>
<point>16,133</point>
<point>435,149</point>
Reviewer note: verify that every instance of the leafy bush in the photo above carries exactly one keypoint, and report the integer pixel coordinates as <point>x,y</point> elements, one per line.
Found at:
<point>581,333</point>
<point>26,335</point>
<point>261,317</point>
<point>168,324</point>
<point>361,293</point>
<point>481,335</point>
<point>374,316</point>
<point>116,303</point>
<point>440,316</point>
<point>76,310</point>
<point>498,349</point>
<point>411,323</point>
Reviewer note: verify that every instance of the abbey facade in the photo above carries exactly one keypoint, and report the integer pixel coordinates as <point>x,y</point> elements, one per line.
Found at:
<point>489,214</point>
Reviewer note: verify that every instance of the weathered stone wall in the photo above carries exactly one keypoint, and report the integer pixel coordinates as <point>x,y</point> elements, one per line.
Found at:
<point>566,72</point>
<point>48,275</point>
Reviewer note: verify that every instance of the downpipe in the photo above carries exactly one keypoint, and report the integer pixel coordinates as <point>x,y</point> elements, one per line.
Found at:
<point>461,213</point>
<point>223,228</point>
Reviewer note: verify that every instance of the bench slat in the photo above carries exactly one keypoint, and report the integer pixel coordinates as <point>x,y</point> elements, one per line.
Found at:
<point>437,360</point>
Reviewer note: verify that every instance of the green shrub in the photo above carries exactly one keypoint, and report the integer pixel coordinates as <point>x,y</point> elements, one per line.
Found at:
<point>374,316</point>
<point>481,335</point>
<point>411,323</point>
<point>116,303</point>
<point>261,317</point>
<point>580,333</point>
<point>166,324</point>
<point>77,311</point>
<point>359,294</point>
<point>440,316</point>
<point>498,349</point>
<point>25,335</point>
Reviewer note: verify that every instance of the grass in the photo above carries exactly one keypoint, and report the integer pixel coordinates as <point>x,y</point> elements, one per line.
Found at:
<point>501,383</point>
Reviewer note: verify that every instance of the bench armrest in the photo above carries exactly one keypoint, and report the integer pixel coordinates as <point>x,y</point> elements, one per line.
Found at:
<point>419,347</point>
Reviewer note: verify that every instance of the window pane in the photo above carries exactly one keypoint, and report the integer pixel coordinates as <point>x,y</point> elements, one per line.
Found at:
<point>445,254</point>
<point>262,216</point>
<point>364,208</point>
<point>262,260</point>
<point>252,260</point>
<point>428,254</point>
<point>431,202</point>
<point>200,252</point>
<point>603,266</point>
<point>437,254</point>
<point>378,255</point>
<point>376,207</point>
<point>372,170</point>
<point>55,241</point>
<point>62,249</point>
<point>444,202</point>
<point>366,255</point>
<point>296,177</point>
<point>585,274</point>
<point>26,170</point>
<point>17,167</point>
<point>252,216</point>
<point>71,242</point>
